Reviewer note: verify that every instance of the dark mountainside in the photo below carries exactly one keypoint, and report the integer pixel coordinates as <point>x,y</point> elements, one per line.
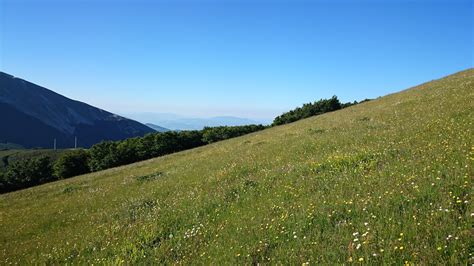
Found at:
<point>32,116</point>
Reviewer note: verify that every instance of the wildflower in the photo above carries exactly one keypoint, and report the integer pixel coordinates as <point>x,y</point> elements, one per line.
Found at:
<point>361,259</point>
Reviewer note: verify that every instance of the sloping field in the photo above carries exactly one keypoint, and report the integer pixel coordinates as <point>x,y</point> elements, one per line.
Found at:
<point>389,181</point>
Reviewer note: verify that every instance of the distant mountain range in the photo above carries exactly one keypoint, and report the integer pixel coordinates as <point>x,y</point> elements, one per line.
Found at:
<point>33,116</point>
<point>156,127</point>
<point>178,122</point>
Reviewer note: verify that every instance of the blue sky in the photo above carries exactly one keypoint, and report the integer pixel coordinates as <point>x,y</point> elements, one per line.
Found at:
<point>250,59</point>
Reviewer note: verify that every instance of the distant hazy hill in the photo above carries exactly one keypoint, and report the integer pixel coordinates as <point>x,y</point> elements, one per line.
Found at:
<point>177,122</point>
<point>32,116</point>
<point>157,128</point>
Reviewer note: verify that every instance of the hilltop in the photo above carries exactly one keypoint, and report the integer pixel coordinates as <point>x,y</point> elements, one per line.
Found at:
<point>389,180</point>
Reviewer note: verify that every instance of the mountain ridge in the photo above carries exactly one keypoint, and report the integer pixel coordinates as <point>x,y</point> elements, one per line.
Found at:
<point>63,118</point>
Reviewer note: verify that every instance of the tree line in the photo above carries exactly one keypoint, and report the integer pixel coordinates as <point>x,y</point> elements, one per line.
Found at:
<point>312,109</point>
<point>108,154</point>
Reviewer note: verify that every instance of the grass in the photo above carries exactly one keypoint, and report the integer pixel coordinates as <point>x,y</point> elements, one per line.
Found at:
<point>388,180</point>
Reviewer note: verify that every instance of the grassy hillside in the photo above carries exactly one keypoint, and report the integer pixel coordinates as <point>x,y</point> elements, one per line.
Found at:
<point>388,180</point>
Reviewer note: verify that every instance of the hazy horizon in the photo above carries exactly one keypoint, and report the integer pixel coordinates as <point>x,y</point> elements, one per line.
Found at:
<point>236,58</point>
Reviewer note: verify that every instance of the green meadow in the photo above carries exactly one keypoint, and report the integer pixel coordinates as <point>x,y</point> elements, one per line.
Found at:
<point>386,181</point>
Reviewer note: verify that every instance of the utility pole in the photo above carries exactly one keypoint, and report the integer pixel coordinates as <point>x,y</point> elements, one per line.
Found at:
<point>75,142</point>
<point>54,144</point>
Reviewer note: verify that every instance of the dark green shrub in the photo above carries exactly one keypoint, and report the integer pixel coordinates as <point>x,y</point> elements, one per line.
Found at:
<point>309,109</point>
<point>3,184</point>
<point>127,151</point>
<point>71,163</point>
<point>103,155</point>
<point>213,134</point>
<point>27,173</point>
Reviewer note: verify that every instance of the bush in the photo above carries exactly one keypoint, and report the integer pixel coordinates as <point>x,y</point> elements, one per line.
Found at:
<point>27,173</point>
<point>213,134</point>
<point>310,109</point>
<point>189,139</point>
<point>71,164</point>
<point>3,184</point>
<point>146,146</point>
<point>172,141</point>
<point>103,155</point>
<point>127,151</point>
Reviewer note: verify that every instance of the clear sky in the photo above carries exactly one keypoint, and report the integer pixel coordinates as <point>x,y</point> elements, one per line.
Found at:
<point>250,58</point>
